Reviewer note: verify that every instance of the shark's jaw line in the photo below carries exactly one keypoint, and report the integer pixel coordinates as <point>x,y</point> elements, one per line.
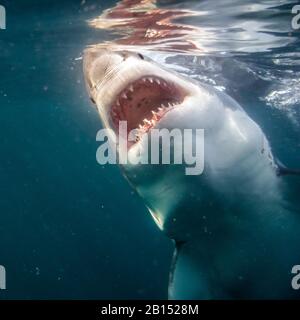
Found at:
<point>144,102</point>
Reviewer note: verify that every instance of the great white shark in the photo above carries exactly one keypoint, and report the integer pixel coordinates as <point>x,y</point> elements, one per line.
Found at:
<point>236,227</point>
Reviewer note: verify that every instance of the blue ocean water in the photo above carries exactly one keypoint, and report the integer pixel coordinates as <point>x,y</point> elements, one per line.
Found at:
<point>70,228</point>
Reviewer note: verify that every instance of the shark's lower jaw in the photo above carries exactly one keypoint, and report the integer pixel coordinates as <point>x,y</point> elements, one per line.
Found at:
<point>143,103</point>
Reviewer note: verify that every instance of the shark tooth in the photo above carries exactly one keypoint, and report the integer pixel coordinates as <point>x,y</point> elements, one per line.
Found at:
<point>155,115</point>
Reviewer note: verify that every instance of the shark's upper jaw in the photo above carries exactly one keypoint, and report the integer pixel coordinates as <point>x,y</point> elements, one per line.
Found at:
<point>144,102</point>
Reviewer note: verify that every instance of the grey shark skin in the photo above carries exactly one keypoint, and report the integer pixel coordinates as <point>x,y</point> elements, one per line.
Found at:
<point>236,226</point>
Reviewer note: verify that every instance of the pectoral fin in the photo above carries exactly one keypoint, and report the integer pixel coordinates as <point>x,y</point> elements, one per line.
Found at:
<point>282,170</point>
<point>187,280</point>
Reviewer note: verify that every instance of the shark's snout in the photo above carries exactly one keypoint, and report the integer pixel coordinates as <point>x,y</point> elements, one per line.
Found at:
<point>99,62</point>
<point>96,63</point>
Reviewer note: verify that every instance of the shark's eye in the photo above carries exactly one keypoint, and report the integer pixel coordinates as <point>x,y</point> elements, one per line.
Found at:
<point>141,56</point>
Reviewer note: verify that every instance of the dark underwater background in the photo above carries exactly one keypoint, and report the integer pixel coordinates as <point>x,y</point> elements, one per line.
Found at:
<point>70,228</point>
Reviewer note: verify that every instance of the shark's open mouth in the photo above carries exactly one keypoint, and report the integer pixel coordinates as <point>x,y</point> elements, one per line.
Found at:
<point>144,102</point>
